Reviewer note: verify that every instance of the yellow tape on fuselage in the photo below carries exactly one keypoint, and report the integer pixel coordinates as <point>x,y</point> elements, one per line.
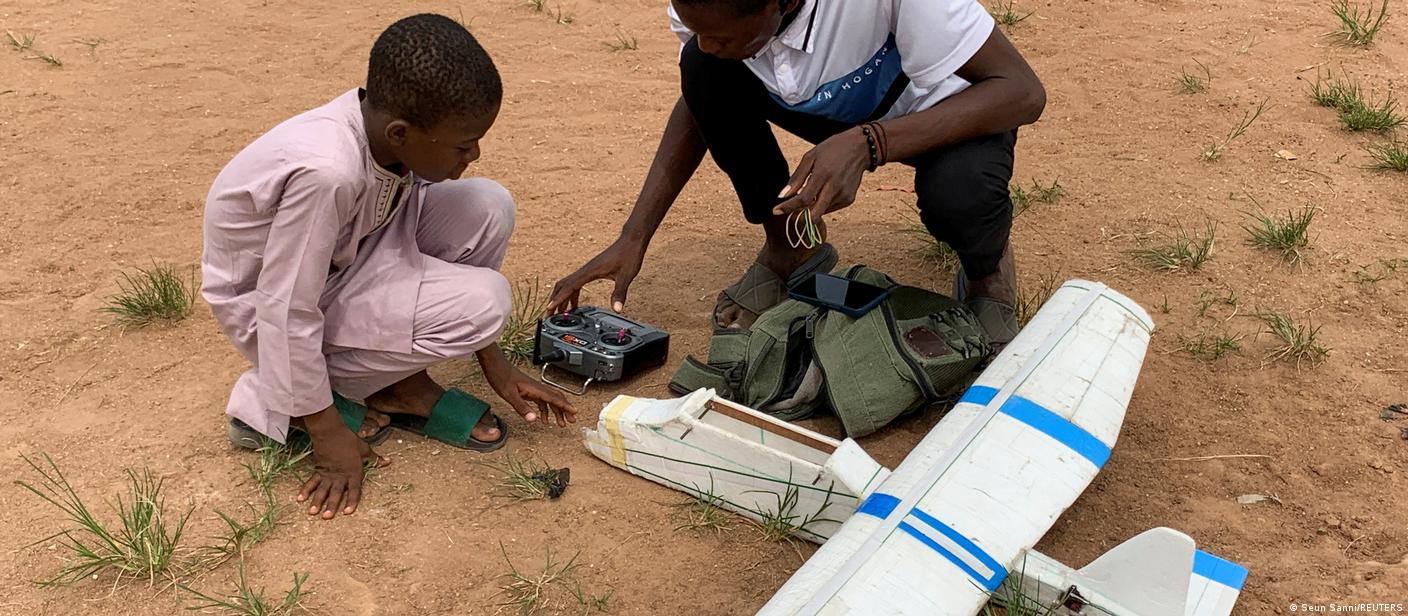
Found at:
<point>612,419</point>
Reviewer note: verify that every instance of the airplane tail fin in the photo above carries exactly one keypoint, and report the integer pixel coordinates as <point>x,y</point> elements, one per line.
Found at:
<point>1161,572</point>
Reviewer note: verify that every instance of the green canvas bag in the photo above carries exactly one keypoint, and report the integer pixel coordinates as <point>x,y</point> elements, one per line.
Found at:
<point>913,349</point>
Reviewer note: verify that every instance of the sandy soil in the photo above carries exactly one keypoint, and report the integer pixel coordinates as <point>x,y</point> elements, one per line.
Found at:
<point>106,161</point>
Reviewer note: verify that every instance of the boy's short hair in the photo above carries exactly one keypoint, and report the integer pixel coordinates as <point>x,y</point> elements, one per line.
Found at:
<point>428,68</point>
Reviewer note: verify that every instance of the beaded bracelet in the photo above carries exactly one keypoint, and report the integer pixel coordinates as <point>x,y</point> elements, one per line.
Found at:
<point>871,143</point>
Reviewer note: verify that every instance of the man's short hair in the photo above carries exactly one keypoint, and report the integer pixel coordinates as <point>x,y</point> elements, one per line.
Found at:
<point>428,68</point>
<point>738,7</point>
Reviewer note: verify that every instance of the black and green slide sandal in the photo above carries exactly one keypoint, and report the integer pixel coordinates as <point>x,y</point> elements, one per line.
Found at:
<point>353,414</point>
<point>451,421</point>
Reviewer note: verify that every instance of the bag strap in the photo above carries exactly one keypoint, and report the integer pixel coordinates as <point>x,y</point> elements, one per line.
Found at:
<point>693,375</point>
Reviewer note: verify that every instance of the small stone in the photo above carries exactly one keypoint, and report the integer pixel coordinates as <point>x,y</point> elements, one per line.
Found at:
<point>1331,521</point>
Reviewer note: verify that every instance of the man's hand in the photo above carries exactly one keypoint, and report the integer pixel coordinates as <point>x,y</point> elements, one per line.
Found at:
<point>828,176</point>
<point>339,458</point>
<point>522,392</point>
<point>620,262</point>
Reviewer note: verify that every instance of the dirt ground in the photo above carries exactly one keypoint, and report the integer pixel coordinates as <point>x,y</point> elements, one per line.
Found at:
<point>106,161</point>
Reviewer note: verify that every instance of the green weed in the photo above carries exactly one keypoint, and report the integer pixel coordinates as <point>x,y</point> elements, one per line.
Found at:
<point>1286,233</point>
<point>1024,198</point>
<point>1298,341</point>
<point>1388,156</point>
<point>532,593</point>
<point>1190,83</point>
<point>520,334</point>
<point>156,294</point>
<point>1029,302</point>
<point>1214,151</point>
<point>143,545</point>
<point>527,479</point>
<point>275,460</point>
<point>1006,13</point>
<point>705,512</point>
<point>1183,251</point>
<point>1212,347</point>
<point>246,601</point>
<point>1380,117</point>
<point>1359,26</point>
<point>623,42</point>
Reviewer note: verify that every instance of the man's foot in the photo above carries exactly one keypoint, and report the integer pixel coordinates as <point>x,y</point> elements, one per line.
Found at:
<point>416,395</point>
<point>992,299</point>
<point>764,284</point>
<point>781,261</point>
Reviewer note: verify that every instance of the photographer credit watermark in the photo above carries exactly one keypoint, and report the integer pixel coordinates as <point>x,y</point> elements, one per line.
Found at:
<point>1345,607</point>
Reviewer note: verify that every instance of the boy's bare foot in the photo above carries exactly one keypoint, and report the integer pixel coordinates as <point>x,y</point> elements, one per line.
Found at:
<point>416,395</point>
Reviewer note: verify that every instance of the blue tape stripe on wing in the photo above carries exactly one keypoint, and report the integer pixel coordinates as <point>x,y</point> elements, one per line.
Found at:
<point>998,570</point>
<point>1059,428</point>
<point>879,505</point>
<point>1049,423</point>
<point>1219,570</point>
<point>979,395</point>
<point>990,584</point>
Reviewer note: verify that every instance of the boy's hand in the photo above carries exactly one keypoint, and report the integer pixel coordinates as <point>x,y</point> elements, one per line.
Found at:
<point>828,177</point>
<point>339,458</point>
<point>620,262</point>
<point>519,390</point>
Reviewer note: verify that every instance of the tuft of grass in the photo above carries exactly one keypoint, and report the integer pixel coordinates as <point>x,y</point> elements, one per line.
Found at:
<point>239,537</point>
<point>1024,198</point>
<point>1164,308</point>
<point>1286,233</point>
<point>537,5</point>
<point>1006,13</point>
<point>1207,300</point>
<point>590,603</point>
<point>1335,92</point>
<point>276,460</point>
<point>143,545</point>
<point>930,250</point>
<point>1029,302</point>
<point>1391,156</point>
<point>1212,347</point>
<point>1298,341</point>
<point>1379,117</point>
<point>532,593</point>
<point>1190,83</point>
<point>1214,150</point>
<point>92,44</point>
<point>23,42</point>
<point>1359,25</point>
<point>246,601</point>
<point>527,479</point>
<point>1184,251</point>
<point>778,525</point>
<point>704,512</point>
<point>47,58</point>
<point>563,19</point>
<point>623,42</point>
<point>1015,600</point>
<point>517,341</point>
<point>156,294</point>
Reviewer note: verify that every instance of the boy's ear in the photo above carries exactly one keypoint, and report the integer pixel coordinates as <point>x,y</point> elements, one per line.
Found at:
<point>396,131</point>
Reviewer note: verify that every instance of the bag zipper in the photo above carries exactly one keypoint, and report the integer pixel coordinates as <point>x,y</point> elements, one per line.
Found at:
<point>915,369</point>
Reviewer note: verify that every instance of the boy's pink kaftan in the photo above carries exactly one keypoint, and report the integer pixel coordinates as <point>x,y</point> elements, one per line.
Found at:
<point>329,272</point>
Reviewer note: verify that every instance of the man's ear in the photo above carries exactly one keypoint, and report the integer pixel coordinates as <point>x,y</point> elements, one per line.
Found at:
<point>396,131</point>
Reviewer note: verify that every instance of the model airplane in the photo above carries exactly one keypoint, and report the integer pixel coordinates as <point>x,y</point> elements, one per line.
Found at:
<point>960,515</point>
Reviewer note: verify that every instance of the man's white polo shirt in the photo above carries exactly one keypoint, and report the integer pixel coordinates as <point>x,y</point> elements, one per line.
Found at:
<point>840,58</point>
